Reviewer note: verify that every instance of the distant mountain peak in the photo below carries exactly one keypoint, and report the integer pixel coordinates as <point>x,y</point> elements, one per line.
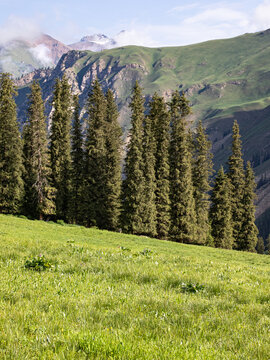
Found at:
<point>95,42</point>
<point>95,37</point>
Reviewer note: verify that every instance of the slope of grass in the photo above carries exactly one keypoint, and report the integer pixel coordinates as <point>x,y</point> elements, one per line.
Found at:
<point>117,296</point>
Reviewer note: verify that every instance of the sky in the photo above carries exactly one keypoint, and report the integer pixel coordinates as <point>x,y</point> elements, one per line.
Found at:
<point>146,22</point>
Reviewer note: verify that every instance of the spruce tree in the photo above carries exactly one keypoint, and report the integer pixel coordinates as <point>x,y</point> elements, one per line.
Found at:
<point>202,170</point>
<point>183,216</point>
<point>161,123</point>
<point>249,232</point>
<point>77,157</point>
<point>39,194</point>
<point>133,184</point>
<point>267,245</point>
<point>60,147</point>
<point>95,162</point>
<point>113,134</point>
<point>237,177</point>
<point>11,185</point>
<point>260,245</point>
<point>149,180</point>
<point>220,212</point>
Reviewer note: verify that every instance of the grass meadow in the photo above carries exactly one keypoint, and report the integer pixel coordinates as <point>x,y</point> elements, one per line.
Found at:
<point>116,296</point>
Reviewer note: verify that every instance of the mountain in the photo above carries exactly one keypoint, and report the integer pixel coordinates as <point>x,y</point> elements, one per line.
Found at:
<point>224,80</point>
<point>96,42</point>
<point>20,56</point>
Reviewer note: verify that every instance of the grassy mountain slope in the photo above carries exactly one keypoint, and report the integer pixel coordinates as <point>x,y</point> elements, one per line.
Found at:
<point>224,79</point>
<point>107,297</point>
<point>19,57</point>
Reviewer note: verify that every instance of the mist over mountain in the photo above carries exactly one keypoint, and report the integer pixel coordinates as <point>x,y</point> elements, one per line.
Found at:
<point>20,56</point>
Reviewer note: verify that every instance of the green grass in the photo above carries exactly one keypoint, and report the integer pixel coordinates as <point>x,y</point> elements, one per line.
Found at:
<point>106,297</point>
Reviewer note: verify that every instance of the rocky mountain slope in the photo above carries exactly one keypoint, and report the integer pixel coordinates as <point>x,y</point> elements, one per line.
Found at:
<point>224,79</point>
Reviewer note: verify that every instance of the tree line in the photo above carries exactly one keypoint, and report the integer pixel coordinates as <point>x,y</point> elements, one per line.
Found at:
<point>74,173</point>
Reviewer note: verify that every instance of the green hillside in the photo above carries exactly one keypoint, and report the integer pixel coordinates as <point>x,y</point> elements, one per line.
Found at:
<point>224,79</point>
<point>117,296</point>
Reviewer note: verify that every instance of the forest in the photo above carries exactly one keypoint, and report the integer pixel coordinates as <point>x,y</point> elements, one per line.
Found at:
<point>159,184</point>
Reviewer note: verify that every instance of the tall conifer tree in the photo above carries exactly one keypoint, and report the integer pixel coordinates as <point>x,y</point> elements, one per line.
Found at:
<point>161,122</point>
<point>220,212</point>
<point>39,194</point>
<point>260,245</point>
<point>202,170</point>
<point>237,177</point>
<point>95,162</point>
<point>11,185</point>
<point>77,157</point>
<point>133,184</point>
<point>149,179</point>
<point>60,148</point>
<point>183,217</point>
<point>113,134</point>
<point>249,231</point>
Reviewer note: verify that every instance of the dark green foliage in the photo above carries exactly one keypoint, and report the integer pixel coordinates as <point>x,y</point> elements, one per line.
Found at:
<point>220,212</point>
<point>146,252</point>
<point>133,184</point>
<point>60,148</point>
<point>39,194</point>
<point>149,179</point>
<point>191,287</point>
<point>249,231</point>
<point>267,245</point>
<point>183,217</point>
<point>260,245</point>
<point>95,191</point>
<point>113,134</point>
<point>161,122</point>
<point>11,185</point>
<point>38,263</point>
<point>202,170</point>
<point>237,177</point>
<point>77,157</point>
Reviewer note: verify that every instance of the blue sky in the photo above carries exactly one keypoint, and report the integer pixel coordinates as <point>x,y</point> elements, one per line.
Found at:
<point>148,22</point>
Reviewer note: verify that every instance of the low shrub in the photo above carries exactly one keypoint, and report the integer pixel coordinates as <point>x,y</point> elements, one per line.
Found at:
<point>38,263</point>
<point>146,252</point>
<point>191,288</point>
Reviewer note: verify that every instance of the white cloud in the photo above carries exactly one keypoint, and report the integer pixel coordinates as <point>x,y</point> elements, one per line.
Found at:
<point>219,16</point>
<point>42,54</point>
<point>261,18</point>
<point>220,21</point>
<point>18,28</point>
<point>182,8</point>
<point>137,35</point>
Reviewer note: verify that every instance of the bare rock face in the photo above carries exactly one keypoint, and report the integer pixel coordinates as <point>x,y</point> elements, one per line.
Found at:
<point>40,75</point>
